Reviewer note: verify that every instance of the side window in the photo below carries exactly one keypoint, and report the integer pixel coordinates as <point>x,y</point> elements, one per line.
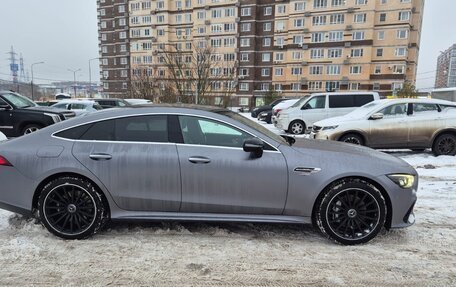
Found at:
<point>202,131</point>
<point>315,103</point>
<point>142,129</point>
<point>361,100</point>
<point>78,107</point>
<point>61,106</point>
<point>424,109</point>
<point>100,131</point>
<point>393,111</point>
<point>121,104</point>
<point>341,101</point>
<point>73,133</point>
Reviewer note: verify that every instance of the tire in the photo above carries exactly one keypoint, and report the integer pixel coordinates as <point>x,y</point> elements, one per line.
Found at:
<point>28,129</point>
<point>297,127</point>
<point>352,211</point>
<point>71,208</point>
<point>444,144</point>
<point>352,138</point>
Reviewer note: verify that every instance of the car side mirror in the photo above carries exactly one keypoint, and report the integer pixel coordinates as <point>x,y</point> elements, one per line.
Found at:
<point>376,116</point>
<point>4,107</point>
<point>254,146</point>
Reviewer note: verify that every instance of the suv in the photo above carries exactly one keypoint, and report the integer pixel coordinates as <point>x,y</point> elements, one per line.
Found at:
<point>19,115</point>
<point>321,106</point>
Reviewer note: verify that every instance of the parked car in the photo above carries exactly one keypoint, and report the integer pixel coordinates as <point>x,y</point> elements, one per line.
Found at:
<point>282,106</point>
<point>135,102</point>
<point>321,106</point>
<point>266,116</point>
<point>256,111</point>
<point>19,115</point>
<point>79,107</point>
<point>2,137</point>
<point>46,103</point>
<point>414,124</point>
<point>200,164</point>
<point>111,103</point>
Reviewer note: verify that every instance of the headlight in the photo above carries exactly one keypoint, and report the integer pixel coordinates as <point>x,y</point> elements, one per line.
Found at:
<point>55,117</point>
<point>329,128</point>
<point>403,180</point>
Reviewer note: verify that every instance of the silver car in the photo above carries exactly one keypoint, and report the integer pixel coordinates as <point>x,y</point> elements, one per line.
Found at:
<point>414,124</point>
<point>199,163</point>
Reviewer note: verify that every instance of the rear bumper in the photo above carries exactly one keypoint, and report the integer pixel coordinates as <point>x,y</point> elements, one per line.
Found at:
<point>16,191</point>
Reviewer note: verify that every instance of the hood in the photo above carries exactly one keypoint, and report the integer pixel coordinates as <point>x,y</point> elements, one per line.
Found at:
<point>351,152</point>
<point>46,110</point>
<point>338,120</point>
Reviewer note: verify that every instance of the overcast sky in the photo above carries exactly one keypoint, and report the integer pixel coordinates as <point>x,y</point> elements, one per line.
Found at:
<point>63,34</point>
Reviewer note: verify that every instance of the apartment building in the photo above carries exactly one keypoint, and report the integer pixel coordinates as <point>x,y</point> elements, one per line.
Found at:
<point>446,69</point>
<point>294,47</point>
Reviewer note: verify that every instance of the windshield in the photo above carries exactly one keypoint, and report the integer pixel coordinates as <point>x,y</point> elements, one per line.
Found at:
<point>253,125</point>
<point>19,101</point>
<point>300,102</point>
<point>366,109</point>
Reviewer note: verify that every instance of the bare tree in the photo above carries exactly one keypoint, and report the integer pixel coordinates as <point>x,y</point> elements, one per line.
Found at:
<point>198,74</point>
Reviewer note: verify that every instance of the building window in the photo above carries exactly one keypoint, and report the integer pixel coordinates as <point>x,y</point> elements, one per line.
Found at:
<point>281,9</point>
<point>319,20</point>
<point>360,18</point>
<point>265,86</point>
<point>335,53</point>
<point>317,53</point>
<point>399,69</point>
<point>245,42</point>
<point>265,57</point>
<point>337,19</point>
<point>320,3</point>
<point>318,37</point>
<point>358,35</point>
<point>336,3</point>
<point>297,39</point>
<point>298,23</point>
<point>332,86</point>
<point>376,87</point>
<point>381,35</point>
<point>354,86</point>
<point>335,36</point>
<point>380,52</point>
<point>244,57</point>
<point>400,52</point>
<point>246,11</point>
<point>333,70</point>
<point>278,71</point>
<point>267,26</point>
<point>265,72</point>
<point>402,34</point>
<point>355,70</point>
<point>296,86</point>
<point>245,27</point>
<point>279,57</point>
<point>267,10</point>
<point>382,17</point>
<point>404,16</point>
<point>266,42</point>
<point>315,86</point>
<point>316,70</point>
<point>296,70</point>
<point>299,6</point>
<point>296,55</point>
<point>243,86</point>
<point>357,53</point>
<point>378,70</point>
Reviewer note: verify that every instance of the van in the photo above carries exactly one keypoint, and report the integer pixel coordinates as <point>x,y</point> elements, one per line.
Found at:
<point>320,106</point>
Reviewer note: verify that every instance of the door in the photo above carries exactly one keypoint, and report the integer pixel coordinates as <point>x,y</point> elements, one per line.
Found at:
<point>392,130</point>
<point>135,161</point>
<point>424,122</point>
<point>6,120</point>
<point>219,177</point>
<point>314,110</point>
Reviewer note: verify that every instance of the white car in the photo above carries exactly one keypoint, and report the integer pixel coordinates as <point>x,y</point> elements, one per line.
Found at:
<point>320,106</point>
<point>2,137</point>
<point>79,107</point>
<point>135,102</point>
<point>283,106</point>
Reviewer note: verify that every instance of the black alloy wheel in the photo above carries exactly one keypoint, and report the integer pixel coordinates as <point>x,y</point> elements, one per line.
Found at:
<point>444,145</point>
<point>71,208</point>
<point>351,212</point>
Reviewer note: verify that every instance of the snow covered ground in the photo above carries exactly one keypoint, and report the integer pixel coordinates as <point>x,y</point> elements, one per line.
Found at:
<point>234,254</point>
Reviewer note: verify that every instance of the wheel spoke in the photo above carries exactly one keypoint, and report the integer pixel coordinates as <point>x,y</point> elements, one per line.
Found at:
<point>57,213</point>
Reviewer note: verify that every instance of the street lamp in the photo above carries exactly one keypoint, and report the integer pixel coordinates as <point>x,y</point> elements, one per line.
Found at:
<point>31,83</point>
<point>90,76</point>
<point>74,79</point>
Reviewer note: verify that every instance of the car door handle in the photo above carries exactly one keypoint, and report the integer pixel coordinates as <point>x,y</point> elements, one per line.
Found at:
<point>100,156</point>
<point>198,159</point>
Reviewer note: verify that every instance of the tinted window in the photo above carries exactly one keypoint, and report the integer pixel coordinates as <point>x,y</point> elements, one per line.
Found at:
<point>202,131</point>
<point>74,133</point>
<point>78,107</point>
<point>315,103</point>
<point>101,131</point>
<point>61,106</point>
<point>142,129</point>
<point>361,100</point>
<point>341,101</point>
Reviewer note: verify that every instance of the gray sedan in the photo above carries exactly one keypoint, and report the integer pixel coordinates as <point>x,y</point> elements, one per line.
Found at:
<point>199,163</point>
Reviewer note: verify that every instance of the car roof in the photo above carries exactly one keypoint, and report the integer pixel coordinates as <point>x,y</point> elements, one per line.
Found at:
<point>74,101</point>
<point>410,100</point>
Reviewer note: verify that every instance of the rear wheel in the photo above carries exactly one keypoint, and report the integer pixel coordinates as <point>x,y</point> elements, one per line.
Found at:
<point>71,208</point>
<point>351,212</point>
<point>28,129</point>
<point>353,139</point>
<point>444,145</point>
<point>297,127</point>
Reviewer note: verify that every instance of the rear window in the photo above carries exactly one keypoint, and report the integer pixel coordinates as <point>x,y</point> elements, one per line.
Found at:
<point>74,133</point>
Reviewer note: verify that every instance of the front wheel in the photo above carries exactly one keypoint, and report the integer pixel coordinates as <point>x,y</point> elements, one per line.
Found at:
<point>71,208</point>
<point>353,139</point>
<point>351,212</point>
<point>297,127</point>
<point>444,145</point>
<point>28,129</point>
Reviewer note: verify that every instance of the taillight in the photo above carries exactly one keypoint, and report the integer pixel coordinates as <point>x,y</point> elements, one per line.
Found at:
<point>4,161</point>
